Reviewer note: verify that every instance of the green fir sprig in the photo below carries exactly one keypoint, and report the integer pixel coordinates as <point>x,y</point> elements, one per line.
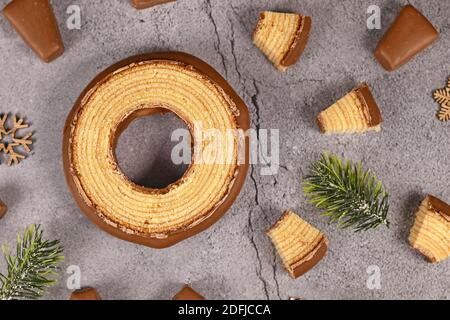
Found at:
<point>349,195</point>
<point>33,267</point>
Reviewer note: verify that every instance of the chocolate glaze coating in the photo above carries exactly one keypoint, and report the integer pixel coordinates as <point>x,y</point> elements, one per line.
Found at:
<point>243,121</point>
<point>410,33</point>
<point>309,264</point>
<point>367,98</point>
<point>87,293</point>
<point>144,4</point>
<point>320,124</point>
<point>439,206</point>
<point>297,49</point>
<point>3,209</point>
<point>36,23</point>
<point>187,293</point>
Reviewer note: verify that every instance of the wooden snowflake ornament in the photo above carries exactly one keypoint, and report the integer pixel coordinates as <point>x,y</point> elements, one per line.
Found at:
<point>442,96</point>
<point>14,146</point>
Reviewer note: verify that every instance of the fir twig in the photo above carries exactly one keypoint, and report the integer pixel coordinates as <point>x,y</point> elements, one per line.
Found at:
<point>348,195</point>
<point>33,268</point>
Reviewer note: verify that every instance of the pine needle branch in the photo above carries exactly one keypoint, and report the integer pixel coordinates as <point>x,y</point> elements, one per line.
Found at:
<point>349,195</point>
<point>33,267</point>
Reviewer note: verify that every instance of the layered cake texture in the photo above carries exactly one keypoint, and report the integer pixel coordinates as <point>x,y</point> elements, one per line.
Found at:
<point>282,37</point>
<point>300,245</point>
<point>356,112</point>
<point>140,86</point>
<point>430,233</point>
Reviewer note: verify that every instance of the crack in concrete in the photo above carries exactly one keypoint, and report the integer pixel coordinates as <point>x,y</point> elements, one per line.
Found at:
<point>217,43</point>
<point>233,53</point>
<point>251,236</point>
<point>254,99</point>
<point>255,184</point>
<point>259,268</point>
<point>274,271</point>
<point>257,124</point>
<point>255,103</point>
<point>293,84</point>
<point>236,12</point>
<point>274,259</point>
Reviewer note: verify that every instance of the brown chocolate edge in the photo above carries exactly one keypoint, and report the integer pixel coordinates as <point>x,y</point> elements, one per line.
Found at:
<point>377,53</point>
<point>87,293</point>
<point>316,258</point>
<point>309,264</point>
<point>143,4</point>
<point>279,221</point>
<point>243,121</point>
<point>365,95</point>
<point>187,293</point>
<point>301,39</point>
<point>319,123</point>
<point>52,21</point>
<point>3,209</point>
<point>439,206</point>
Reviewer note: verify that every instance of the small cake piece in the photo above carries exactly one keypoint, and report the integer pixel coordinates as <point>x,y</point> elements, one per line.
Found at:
<point>430,233</point>
<point>187,293</point>
<point>144,4</point>
<point>35,22</point>
<point>300,245</point>
<point>87,293</point>
<point>282,37</point>
<point>356,112</point>
<point>3,209</point>
<point>410,33</point>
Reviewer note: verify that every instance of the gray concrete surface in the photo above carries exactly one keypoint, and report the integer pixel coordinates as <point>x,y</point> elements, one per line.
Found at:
<point>234,259</point>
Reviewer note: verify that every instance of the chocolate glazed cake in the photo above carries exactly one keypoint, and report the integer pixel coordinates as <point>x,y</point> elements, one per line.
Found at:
<point>300,245</point>
<point>282,37</point>
<point>356,112</point>
<point>430,233</point>
<point>139,86</point>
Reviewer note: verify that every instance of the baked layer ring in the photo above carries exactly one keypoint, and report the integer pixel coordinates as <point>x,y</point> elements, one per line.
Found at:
<point>139,86</point>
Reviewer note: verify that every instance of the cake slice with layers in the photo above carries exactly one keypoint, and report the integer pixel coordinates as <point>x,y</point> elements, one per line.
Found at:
<point>430,233</point>
<point>356,112</point>
<point>282,37</point>
<point>300,245</point>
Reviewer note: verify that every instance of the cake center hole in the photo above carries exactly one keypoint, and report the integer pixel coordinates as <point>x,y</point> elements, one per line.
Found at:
<point>144,149</point>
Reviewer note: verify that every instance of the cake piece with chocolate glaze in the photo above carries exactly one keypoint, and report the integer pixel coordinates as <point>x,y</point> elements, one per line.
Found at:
<point>86,293</point>
<point>282,37</point>
<point>187,293</point>
<point>410,34</point>
<point>300,245</point>
<point>144,4</point>
<point>35,21</point>
<point>356,112</point>
<point>430,233</point>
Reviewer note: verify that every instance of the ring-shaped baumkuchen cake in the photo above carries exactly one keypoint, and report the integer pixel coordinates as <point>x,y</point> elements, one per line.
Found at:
<point>139,86</point>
